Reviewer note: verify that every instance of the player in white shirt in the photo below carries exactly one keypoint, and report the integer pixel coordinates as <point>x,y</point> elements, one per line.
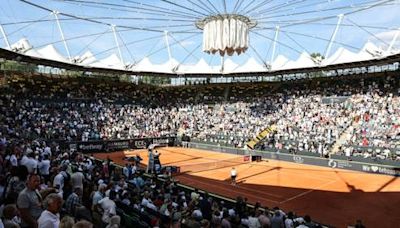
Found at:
<point>233,176</point>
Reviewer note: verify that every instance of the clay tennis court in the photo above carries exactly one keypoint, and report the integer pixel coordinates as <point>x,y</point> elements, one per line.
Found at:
<point>331,196</point>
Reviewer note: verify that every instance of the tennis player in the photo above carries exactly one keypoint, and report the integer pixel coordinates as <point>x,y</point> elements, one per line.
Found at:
<point>233,176</point>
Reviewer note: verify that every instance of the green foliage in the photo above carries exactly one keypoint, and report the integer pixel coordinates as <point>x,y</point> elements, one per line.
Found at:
<point>317,57</point>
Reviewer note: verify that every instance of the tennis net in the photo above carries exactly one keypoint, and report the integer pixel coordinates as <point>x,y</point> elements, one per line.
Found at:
<point>214,164</point>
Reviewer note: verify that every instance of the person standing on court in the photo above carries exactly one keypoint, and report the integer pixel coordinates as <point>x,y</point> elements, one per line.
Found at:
<point>233,176</point>
<point>150,165</point>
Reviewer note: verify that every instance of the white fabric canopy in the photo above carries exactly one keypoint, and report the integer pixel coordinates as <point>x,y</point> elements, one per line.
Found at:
<point>167,67</point>
<point>225,35</point>
<point>111,61</point>
<point>342,55</point>
<point>279,62</point>
<point>303,61</point>
<point>34,53</point>
<point>49,52</point>
<point>251,66</point>
<point>201,66</point>
<point>144,65</point>
<point>229,66</point>
<point>372,50</point>
<point>86,59</point>
<point>21,45</point>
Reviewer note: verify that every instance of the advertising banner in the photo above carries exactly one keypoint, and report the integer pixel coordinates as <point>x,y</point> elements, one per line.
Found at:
<point>116,145</point>
<point>333,163</point>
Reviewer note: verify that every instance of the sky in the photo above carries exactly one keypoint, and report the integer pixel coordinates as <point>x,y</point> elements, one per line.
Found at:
<point>141,26</point>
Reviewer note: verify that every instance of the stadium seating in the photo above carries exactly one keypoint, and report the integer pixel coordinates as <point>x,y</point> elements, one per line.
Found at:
<point>309,115</point>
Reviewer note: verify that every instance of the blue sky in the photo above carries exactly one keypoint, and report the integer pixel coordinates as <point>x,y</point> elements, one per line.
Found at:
<point>376,24</point>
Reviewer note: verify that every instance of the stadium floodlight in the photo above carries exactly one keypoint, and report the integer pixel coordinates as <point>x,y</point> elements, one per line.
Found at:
<point>225,33</point>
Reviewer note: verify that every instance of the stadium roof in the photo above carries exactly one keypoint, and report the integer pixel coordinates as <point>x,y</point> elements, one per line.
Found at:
<point>10,55</point>
<point>286,34</point>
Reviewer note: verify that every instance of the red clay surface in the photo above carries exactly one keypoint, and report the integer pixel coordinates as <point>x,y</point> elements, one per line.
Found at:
<point>330,196</point>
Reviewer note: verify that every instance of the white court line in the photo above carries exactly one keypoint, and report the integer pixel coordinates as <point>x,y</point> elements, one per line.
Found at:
<point>306,192</point>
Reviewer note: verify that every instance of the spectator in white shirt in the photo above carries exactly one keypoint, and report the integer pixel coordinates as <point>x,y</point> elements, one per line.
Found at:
<point>47,151</point>
<point>59,179</point>
<point>24,160</point>
<point>289,222</point>
<point>13,159</point>
<point>50,218</point>
<point>145,199</point>
<point>253,220</point>
<point>44,167</point>
<point>109,207</point>
<point>31,163</point>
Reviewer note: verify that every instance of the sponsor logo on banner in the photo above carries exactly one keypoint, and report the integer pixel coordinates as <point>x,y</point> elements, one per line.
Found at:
<point>374,168</point>
<point>119,145</point>
<point>105,145</point>
<point>366,168</point>
<point>89,147</point>
<point>339,164</point>
<point>161,141</point>
<point>140,144</point>
<point>332,163</point>
<point>381,170</point>
<point>298,159</point>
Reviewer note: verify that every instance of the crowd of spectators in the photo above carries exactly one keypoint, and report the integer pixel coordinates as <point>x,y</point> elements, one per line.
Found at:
<point>367,109</point>
<point>43,186</point>
<point>375,132</point>
<point>309,116</point>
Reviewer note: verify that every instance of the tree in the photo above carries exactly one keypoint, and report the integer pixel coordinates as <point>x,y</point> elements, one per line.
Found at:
<point>317,57</point>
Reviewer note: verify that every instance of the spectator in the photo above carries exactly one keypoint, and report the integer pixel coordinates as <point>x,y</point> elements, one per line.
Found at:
<point>205,206</point>
<point>73,201</point>
<point>225,223</point>
<point>277,220</point>
<point>289,222</point>
<point>109,207</point>
<point>301,223</point>
<point>30,202</point>
<point>44,167</point>
<point>67,222</point>
<point>10,217</point>
<point>50,218</point>
<point>308,222</point>
<point>264,219</point>
<point>253,220</point>
<point>114,222</point>
<point>17,182</point>
<point>77,179</point>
